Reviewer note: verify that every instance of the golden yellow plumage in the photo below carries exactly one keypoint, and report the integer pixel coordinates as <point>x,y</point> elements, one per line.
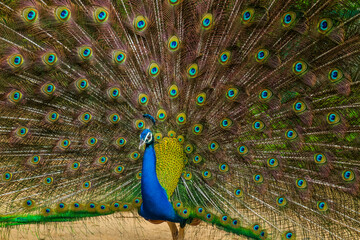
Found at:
<point>170,158</point>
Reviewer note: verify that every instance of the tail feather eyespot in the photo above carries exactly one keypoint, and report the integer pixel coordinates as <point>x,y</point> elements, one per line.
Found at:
<point>101,15</point>
<point>30,14</point>
<point>63,14</point>
<point>207,21</point>
<point>140,23</point>
<point>16,60</point>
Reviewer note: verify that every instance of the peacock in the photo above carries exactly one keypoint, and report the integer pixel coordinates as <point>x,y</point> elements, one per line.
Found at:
<point>244,114</point>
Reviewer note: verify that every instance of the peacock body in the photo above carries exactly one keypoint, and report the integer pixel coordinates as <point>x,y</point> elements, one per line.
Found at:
<point>161,170</point>
<point>248,114</point>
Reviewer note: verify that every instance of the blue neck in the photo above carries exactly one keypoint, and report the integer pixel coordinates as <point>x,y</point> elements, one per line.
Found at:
<point>155,205</point>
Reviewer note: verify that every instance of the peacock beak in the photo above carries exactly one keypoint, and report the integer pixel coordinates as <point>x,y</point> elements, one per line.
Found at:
<point>142,143</point>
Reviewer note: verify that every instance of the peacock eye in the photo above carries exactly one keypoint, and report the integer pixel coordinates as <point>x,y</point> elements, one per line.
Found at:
<point>148,138</point>
<point>224,57</point>
<point>207,21</point>
<point>173,91</point>
<point>288,19</point>
<point>143,99</point>
<point>192,70</point>
<point>248,15</point>
<point>30,14</point>
<point>261,55</point>
<point>300,67</point>
<point>62,14</point>
<point>173,43</point>
<point>101,15</point>
<point>154,69</point>
<point>85,52</point>
<point>16,60</point>
<point>119,57</point>
<point>324,25</point>
<point>140,23</point>
<point>174,2</point>
<point>49,58</point>
<point>81,84</point>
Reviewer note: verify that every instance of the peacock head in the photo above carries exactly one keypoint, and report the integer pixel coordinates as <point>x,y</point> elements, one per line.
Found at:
<point>146,137</point>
